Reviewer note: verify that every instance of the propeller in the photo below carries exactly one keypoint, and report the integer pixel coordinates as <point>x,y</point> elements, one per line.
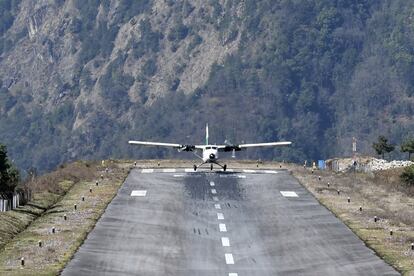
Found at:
<point>231,147</point>
<point>186,148</point>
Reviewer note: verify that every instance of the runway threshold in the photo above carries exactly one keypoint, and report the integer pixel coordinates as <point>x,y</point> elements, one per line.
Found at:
<point>178,222</point>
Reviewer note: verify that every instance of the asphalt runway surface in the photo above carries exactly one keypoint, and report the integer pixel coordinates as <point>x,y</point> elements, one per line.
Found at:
<point>178,222</point>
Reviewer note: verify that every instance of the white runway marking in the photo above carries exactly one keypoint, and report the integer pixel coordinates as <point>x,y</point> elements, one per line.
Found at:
<point>213,191</point>
<point>249,171</point>
<point>178,175</point>
<point>147,171</point>
<point>225,242</point>
<point>288,194</point>
<point>212,184</point>
<point>169,170</point>
<point>222,227</point>
<point>233,274</point>
<point>229,258</point>
<point>229,170</point>
<point>139,193</point>
<point>220,216</point>
<point>217,206</point>
<point>189,170</point>
<point>241,176</point>
<point>215,198</point>
<point>270,171</point>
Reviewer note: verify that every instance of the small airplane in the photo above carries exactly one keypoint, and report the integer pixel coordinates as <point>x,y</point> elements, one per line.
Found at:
<point>210,152</point>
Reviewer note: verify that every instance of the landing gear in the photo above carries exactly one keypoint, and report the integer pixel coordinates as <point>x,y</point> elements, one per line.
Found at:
<point>224,167</point>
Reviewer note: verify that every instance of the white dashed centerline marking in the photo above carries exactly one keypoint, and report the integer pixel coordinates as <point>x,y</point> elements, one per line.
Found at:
<point>225,242</point>
<point>139,193</point>
<point>288,194</point>
<point>249,171</point>
<point>217,206</point>
<point>213,191</point>
<point>212,184</point>
<point>178,175</point>
<point>233,274</point>
<point>222,227</point>
<point>220,216</point>
<point>169,170</point>
<point>147,171</point>
<point>241,176</point>
<point>229,258</point>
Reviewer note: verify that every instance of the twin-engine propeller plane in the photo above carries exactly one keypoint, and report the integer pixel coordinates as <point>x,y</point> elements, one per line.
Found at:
<point>210,152</point>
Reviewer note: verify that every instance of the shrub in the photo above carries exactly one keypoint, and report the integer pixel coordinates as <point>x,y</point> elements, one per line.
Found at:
<point>408,175</point>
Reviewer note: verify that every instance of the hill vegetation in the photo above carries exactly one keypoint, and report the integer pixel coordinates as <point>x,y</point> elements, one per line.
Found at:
<point>80,78</point>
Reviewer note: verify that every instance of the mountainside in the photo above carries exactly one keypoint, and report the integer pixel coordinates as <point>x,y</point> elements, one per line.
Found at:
<point>79,78</point>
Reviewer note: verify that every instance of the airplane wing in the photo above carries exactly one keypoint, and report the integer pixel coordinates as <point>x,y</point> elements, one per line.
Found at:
<point>169,145</point>
<point>272,144</point>
<point>245,146</point>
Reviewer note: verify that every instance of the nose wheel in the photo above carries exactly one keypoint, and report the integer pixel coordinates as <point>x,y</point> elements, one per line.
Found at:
<point>211,167</point>
<point>195,168</point>
<point>225,167</point>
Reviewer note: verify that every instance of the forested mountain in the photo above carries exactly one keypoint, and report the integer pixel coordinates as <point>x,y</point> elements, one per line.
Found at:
<point>79,78</point>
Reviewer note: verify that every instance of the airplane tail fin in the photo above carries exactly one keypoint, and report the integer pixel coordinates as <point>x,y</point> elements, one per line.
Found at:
<point>206,134</point>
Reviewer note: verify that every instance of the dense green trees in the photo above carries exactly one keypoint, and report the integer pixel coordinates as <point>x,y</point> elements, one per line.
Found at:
<point>382,146</point>
<point>315,72</point>
<point>9,175</point>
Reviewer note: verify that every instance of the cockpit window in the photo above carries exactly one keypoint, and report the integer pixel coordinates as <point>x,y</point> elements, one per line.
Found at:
<point>214,147</point>
<point>208,147</point>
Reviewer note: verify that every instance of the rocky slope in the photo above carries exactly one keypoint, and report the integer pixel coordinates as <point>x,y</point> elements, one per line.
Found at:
<point>80,78</point>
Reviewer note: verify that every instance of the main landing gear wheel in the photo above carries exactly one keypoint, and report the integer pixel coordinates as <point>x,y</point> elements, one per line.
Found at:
<point>224,167</point>
<point>195,167</point>
<point>211,167</point>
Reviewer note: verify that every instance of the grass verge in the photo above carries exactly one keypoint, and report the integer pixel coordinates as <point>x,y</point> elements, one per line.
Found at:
<point>49,208</point>
<point>378,194</point>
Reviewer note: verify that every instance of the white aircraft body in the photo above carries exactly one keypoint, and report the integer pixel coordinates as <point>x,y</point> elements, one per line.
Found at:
<point>210,152</point>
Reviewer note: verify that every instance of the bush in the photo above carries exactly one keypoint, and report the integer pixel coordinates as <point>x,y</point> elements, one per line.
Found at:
<point>408,175</point>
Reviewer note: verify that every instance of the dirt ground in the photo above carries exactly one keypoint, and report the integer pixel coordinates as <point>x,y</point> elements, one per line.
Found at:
<point>370,195</point>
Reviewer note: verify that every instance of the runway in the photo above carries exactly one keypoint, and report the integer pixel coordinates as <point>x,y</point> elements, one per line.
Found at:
<point>249,222</point>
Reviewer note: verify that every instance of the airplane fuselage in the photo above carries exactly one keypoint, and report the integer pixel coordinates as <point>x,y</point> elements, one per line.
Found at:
<point>210,154</point>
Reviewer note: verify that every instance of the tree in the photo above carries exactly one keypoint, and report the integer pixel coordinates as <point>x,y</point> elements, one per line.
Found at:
<point>382,146</point>
<point>408,146</point>
<point>9,175</point>
<point>408,175</point>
